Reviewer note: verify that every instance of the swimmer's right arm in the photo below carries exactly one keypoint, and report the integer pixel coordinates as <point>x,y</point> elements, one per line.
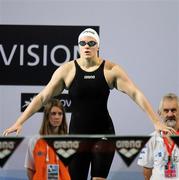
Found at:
<point>55,86</point>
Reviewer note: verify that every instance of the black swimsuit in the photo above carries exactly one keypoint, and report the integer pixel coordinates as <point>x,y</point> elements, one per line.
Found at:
<point>89,93</point>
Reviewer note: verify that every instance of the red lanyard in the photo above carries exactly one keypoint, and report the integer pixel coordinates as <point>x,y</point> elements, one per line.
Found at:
<point>169,169</point>
<point>168,146</point>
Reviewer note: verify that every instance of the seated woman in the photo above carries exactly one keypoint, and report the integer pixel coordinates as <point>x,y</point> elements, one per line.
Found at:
<point>41,161</point>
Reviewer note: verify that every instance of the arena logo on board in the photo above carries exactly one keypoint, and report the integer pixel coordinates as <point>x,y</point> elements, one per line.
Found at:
<point>29,54</point>
<point>26,98</point>
<point>7,147</point>
<point>65,148</point>
<point>128,147</point>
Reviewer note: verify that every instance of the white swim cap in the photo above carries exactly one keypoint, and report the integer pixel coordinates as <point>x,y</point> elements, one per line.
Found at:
<point>89,32</point>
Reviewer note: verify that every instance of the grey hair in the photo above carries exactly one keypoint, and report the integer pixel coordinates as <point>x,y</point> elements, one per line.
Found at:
<point>170,96</point>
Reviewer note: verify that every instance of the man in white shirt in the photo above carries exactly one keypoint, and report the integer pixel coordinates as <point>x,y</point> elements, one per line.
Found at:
<point>160,157</point>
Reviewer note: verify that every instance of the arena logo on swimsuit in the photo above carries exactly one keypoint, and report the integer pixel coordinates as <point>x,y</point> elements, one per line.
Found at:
<point>89,77</point>
<point>33,51</point>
